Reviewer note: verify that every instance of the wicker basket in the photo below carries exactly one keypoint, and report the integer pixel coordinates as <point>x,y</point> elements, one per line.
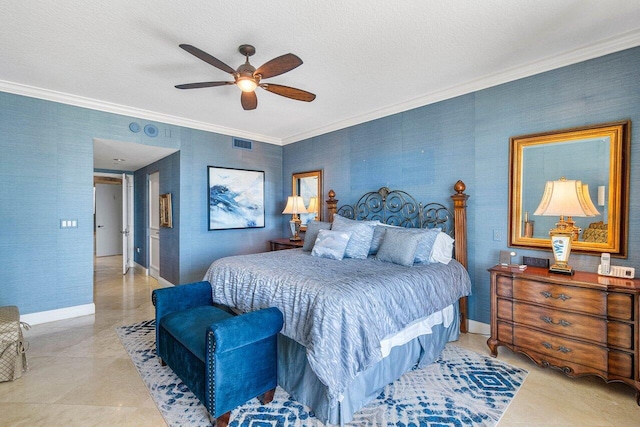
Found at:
<point>13,358</point>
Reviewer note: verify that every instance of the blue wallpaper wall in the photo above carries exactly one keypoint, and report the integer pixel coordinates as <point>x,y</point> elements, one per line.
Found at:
<point>46,167</point>
<point>426,150</point>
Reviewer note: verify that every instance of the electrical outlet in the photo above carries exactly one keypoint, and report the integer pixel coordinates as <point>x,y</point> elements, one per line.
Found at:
<point>497,236</point>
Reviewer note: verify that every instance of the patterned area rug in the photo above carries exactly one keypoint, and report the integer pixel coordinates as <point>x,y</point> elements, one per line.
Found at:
<point>462,388</point>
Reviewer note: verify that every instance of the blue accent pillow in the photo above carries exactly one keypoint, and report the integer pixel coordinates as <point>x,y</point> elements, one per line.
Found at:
<point>378,235</point>
<point>423,254</point>
<point>399,246</point>
<point>362,234</point>
<point>331,244</point>
<point>312,233</point>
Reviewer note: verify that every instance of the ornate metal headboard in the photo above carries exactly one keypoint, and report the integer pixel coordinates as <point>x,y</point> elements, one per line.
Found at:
<point>399,208</point>
<point>396,207</point>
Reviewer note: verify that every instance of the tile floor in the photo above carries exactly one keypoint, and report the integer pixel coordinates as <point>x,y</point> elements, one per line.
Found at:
<point>80,375</point>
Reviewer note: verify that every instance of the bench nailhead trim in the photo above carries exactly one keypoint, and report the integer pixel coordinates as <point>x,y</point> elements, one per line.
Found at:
<point>212,393</point>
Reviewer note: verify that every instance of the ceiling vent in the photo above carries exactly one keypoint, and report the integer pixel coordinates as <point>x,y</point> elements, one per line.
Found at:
<point>242,144</point>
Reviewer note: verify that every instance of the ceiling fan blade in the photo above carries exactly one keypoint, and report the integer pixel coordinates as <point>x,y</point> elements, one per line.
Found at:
<point>202,84</point>
<point>289,92</point>
<point>279,65</point>
<point>207,58</point>
<point>249,100</point>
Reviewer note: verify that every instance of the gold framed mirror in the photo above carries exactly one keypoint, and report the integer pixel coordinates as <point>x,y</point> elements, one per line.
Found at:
<point>308,185</point>
<point>598,157</point>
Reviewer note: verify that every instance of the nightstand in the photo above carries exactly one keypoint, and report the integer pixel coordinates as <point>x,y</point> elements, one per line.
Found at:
<point>281,244</point>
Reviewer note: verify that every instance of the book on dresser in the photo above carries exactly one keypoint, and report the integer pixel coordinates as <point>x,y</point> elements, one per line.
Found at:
<point>583,324</point>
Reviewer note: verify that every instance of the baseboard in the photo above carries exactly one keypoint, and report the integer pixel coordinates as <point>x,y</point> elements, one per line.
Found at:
<point>59,314</point>
<point>164,282</point>
<point>480,328</point>
<point>141,268</point>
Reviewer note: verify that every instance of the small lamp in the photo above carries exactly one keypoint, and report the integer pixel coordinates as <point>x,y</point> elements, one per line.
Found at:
<point>565,198</point>
<point>295,206</point>
<point>313,206</point>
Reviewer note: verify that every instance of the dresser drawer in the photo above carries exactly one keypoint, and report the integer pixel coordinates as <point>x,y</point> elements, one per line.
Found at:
<point>620,306</point>
<point>575,325</point>
<point>620,335</point>
<point>559,296</point>
<point>585,354</point>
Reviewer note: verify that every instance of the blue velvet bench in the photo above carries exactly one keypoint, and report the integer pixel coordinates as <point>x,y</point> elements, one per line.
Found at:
<point>224,359</point>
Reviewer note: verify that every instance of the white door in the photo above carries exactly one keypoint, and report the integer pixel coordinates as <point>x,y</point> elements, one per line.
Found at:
<point>154,225</point>
<point>127,222</point>
<point>108,219</point>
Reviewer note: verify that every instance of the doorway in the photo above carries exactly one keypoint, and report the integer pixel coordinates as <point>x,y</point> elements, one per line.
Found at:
<point>108,216</point>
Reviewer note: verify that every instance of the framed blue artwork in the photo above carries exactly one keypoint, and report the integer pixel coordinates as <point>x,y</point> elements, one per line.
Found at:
<point>236,198</point>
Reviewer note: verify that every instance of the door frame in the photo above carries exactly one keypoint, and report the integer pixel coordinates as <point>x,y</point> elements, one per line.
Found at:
<point>153,232</point>
<point>128,206</point>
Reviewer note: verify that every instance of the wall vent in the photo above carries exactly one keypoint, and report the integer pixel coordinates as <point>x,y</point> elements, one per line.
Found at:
<point>242,143</point>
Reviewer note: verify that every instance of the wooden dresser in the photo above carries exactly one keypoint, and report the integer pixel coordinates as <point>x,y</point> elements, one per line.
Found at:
<point>583,324</point>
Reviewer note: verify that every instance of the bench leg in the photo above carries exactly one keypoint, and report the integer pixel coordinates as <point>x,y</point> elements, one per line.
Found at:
<point>221,421</point>
<point>162,362</point>
<point>267,397</point>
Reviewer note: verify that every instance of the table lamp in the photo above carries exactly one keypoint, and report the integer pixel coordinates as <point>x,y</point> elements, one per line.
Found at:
<point>295,206</point>
<point>570,198</point>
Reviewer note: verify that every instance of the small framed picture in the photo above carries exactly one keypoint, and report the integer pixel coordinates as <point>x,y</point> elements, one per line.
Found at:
<point>166,217</point>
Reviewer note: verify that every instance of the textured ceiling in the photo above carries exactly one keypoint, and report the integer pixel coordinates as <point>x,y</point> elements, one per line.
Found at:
<point>363,59</point>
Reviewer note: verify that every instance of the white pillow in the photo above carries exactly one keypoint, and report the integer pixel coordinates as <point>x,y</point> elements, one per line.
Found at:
<point>442,249</point>
<point>331,244</point>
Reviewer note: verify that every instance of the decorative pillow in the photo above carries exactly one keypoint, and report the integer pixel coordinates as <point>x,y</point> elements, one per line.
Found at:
<point>378,235</point>
<point>376,240</point>
<point>312,233</point>
<point>399,246</point>
<point>442,249</point>
<point>426,243</point>
<point>331,244</point>
<point>362,234</point>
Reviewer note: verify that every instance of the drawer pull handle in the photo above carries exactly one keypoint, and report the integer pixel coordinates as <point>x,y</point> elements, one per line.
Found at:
<point>550,321</point>
<point>562,297</point>
<point>561,349</point>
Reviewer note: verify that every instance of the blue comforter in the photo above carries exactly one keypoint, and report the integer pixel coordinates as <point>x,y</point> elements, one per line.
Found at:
<point>338,310</point>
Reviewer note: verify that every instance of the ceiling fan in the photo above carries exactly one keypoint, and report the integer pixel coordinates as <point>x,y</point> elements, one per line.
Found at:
<point>248,78</point>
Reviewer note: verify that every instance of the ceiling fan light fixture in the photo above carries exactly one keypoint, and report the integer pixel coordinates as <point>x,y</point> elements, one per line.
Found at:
<point>247,84</point>
<point>248,78</point>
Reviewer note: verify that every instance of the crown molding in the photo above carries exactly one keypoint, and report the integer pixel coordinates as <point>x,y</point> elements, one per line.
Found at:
<point>108,107</point>
<point>605,47</point>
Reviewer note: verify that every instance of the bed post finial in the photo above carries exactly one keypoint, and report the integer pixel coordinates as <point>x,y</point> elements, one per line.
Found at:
<point>460,230</point>
<point>332,205</point>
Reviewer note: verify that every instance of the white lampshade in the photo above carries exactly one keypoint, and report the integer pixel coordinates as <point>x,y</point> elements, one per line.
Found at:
<point>587,199</point>
<point>313,205</point>
<point>566,197</point>
<point>295,205</point>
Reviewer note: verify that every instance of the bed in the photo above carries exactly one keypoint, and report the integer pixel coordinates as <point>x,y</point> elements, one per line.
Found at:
<point>352,326</point>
